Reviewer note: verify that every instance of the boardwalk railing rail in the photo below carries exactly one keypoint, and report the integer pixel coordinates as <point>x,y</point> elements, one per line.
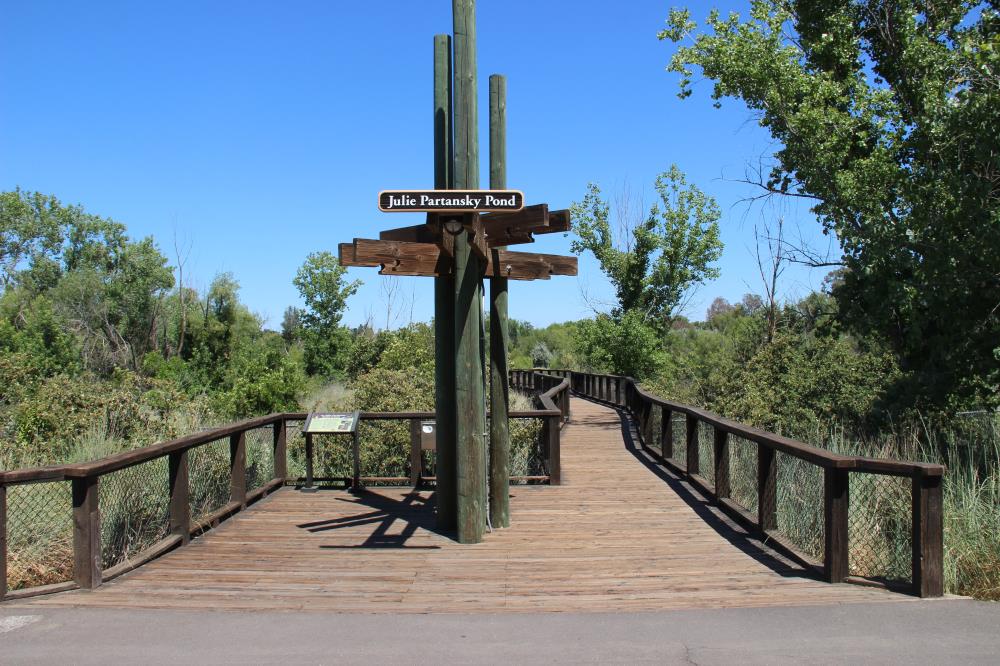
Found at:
<point>769,484</point>
<point>87,523</point>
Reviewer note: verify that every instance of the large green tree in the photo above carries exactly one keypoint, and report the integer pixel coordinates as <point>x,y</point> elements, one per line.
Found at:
<point>888,117</point>
<point>653,261</point>
<point>322,284</point>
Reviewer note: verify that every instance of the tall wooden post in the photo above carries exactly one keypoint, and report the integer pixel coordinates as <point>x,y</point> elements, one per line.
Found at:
<point>470,398</point>
<point>499,336</point>
<point>444,300</point>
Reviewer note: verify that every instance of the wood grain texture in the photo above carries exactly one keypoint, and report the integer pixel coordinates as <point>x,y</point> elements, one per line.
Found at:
<point>618,535</point>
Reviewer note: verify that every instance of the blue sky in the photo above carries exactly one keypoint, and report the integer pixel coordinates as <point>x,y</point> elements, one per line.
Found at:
<point>257,132</point>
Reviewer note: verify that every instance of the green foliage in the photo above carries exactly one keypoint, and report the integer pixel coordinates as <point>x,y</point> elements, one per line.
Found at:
<point>541,356</point>
<point>660,258</point>
<point>93,339</point>
<point>44,424</point>
<point>801,381</point>
<point>626,345</point>
<point>558,339</point>
<point>888,117</point>
<point>320,281</point>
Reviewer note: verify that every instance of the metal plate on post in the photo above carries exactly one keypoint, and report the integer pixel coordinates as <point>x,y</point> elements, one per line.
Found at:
<point>331,423</point>
<point>428,436</point>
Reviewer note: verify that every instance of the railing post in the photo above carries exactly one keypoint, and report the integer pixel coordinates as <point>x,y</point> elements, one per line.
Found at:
<point>693,459</point>
<point>309,460</point>
<point>928,536</point>
<point>416,457</point>
<point>180,499</point>
<point>552,452</point>
<point>836,493</point>
<point>238,468</point>
<point>767,488</point>
<point>3,541</point>
<point>721,450</point>
<point>666,433</point>
<point>280,449</point>
<point>86,532</point>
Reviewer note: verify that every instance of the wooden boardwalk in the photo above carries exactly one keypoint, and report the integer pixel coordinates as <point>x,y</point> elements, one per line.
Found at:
<point>618,535</point>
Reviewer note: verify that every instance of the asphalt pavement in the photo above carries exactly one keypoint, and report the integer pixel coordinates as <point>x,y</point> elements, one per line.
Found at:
<point>936,631</point>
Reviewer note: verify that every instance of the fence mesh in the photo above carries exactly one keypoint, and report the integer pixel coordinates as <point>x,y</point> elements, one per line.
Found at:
<point>743,472</point>
<point>706,451</point>
<point>134,504</point>
<point>209,479</point>
<point>39,534</point>
<point>678,426</point>
<point>295,444</point>
<point>655,418</point>
<point>800,504</point>
<point>526,447</point>
<point>260,456</point>
<point>879,527</point>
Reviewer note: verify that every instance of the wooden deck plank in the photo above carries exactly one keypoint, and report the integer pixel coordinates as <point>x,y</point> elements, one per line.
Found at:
<point>614,536</point>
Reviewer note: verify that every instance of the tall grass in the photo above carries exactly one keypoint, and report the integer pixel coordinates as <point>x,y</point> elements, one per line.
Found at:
<point>133,505</point>
<point>880,506</point>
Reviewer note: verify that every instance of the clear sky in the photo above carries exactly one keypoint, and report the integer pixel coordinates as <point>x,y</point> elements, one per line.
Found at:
<point>257,132</point>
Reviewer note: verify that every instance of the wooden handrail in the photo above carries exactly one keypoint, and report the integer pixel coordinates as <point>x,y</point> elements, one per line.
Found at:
<point>926,478</point>
<point>86,477</point>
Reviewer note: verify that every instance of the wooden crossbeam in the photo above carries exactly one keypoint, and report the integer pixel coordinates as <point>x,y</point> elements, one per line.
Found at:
<point>418,233</point>
<point>529,265</point>
<point>500,229</point>
<point>427,259</point>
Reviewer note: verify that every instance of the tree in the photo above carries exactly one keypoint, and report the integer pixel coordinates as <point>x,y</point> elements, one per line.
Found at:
<point>541,356</point>
<point>718,308</point>
<point>888,118</point>
<point>320,281</point>
<point>625,345</point>
<point>652,262</point>
<point>31,230</point>
<point>291,324</point>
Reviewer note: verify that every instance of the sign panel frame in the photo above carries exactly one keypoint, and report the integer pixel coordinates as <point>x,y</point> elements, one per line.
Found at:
<point>331,423</point>
<point>450,201</point>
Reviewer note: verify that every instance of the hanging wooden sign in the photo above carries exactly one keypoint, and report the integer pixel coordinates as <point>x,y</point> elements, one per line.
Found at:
<point>450,201</point>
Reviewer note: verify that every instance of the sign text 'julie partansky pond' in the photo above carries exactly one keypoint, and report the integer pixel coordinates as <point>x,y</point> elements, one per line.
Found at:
<point>450,201</point>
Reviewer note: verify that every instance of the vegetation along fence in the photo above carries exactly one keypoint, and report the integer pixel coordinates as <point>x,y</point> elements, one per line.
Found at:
<point>852,519</point>
<point>77,525</point>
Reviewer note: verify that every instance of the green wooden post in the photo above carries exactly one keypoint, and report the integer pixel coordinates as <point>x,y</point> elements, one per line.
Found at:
<point>469,373</point>
<point>444,301</point>
<point>499,336</point>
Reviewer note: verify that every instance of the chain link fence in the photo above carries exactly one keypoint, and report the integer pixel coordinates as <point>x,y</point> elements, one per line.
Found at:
<point>879,527</point>
<point>209,478</point>
<point>260,456</point>
<point>655,419</point>
<point>678,426</point>
<point>706,451</point>
<point>135,510</point>
<point>743,472</point>
<point>39,534</point>
<point>800,504</point>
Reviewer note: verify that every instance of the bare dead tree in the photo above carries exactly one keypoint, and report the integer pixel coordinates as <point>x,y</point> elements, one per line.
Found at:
<point>181,253</point>
<point>770,267</point>
<point>390,295</point>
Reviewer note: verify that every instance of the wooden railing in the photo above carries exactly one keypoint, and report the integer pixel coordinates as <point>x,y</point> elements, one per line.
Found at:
<point>873,521</point>
<point>85,488</point>
<point>71,498</point>
<point>552,392</point>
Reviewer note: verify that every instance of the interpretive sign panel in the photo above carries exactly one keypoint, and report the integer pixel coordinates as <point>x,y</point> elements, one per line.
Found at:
<point>326,423</point>
<point>450,201</point>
